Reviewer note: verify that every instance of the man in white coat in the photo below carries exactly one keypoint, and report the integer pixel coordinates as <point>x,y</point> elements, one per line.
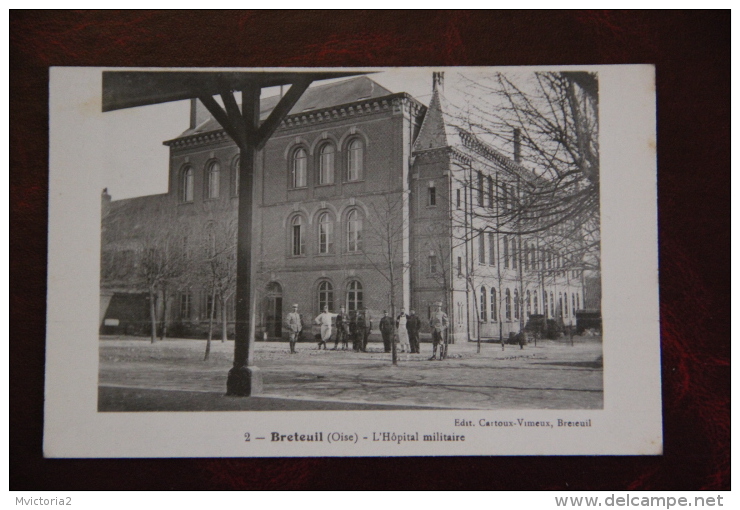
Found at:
<point>324,320</point>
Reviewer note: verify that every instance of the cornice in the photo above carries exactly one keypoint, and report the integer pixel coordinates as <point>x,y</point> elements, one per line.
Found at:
<point>394,103</point>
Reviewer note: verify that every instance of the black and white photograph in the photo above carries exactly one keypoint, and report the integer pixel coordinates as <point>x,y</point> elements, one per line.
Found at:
<point>355,261</point>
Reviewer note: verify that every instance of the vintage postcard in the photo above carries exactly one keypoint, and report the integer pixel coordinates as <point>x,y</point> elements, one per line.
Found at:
<point>352,262</point>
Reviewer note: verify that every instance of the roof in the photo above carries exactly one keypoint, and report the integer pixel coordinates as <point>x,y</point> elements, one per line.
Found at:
<point>314,98</point>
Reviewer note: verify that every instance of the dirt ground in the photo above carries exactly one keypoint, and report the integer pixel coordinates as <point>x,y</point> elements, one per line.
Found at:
<point>136,375</point>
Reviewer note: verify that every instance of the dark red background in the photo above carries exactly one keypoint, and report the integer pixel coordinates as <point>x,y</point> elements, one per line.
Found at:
<point>691,51</point>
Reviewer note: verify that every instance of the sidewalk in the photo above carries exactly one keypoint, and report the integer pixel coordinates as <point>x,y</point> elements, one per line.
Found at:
<point>170,375</point>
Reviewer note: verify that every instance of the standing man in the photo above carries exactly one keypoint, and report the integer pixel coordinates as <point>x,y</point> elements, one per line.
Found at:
<point>342,329</point>
<point>324,320</point>
<point>403,332</point>
<point>364,325</point>
<point>438,322</point>
<point>386,329</point>
<point>294,324</point>
<point>413,325</point>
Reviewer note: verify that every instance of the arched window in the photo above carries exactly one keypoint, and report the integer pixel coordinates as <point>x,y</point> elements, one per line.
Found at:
<point>491,249</point>
<point>298,176</point>
<point>325,233</point>
<point>297,239</point>
<point>544,303</point>
<point>508,304</point>
<point>326,164</point>
<point>560,303</point>
<point>354,296</point>
<point>235,177</point>
<point>186,185</point>
<point>213,180</point>
<point>483,304</point>
<point>354,231</point>
<point>494,305</point>
<point>516,304</point>
<point>552,305</point>
<point>326,296</point>
<point>529,303</point>
<point>354,160</point>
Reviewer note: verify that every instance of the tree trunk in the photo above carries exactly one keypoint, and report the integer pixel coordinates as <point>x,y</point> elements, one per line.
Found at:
<point>153,312</point>
<point>211,316</point>
<point>224,323</point>
<point>163,332</point>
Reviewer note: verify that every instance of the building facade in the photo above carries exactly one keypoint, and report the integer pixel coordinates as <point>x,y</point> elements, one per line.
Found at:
<point>363,198</point>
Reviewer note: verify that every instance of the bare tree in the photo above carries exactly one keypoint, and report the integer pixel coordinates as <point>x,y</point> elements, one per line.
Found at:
<point>549,121</point>
<point>385,232</point>
<point>217,271</point>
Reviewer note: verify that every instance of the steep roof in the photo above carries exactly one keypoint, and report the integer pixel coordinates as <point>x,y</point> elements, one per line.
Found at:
<point>438,128</point>
<point>321,96</point>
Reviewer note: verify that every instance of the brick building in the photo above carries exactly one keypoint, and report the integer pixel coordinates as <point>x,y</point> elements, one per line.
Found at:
<point>358,183</point>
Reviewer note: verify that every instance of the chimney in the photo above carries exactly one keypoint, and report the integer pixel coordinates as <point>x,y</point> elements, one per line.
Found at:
<point>438,81</point>
<point>198,113</point>
<point>517,145</point>
<point>105,202</point>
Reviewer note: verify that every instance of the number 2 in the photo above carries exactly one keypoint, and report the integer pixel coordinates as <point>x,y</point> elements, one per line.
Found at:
<point>246,436</point>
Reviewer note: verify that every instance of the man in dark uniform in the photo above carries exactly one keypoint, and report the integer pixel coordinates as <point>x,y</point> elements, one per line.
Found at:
<point>342,324</point>
<point>364,325</point>
<point>354,332</point>
<point>438,322</point>
<point>413,325</point>
<point>386,329</point>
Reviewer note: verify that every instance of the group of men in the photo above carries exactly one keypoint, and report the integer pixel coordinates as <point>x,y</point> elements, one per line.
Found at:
<point>357,327</point>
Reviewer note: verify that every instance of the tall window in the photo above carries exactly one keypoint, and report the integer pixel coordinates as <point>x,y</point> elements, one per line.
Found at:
<point>513,252</point>
<point>326,164</point>
<point>578,301</point>
<point>481,247</point>
<point>490,192</point>
<point>508,304</point>
<point>529,304</point>
<point>565,304</point>
<point>185,305</point>
<point>459,267</point>
<point>506,252</point>
<point>516,304</point>
<point>213,180</point>
<point>354,296</point>
<point>525,258</point>
<point>491,249</point>
<point>480,189</point>
<point>536,304</point>
<point>483,304</point>
<point>299,168</point>
<point>560,303</point>
<point>186,185</point>
<point>354,160</point>
<point>325,233</point>
<point>235,177</point>
<point>326,296</point>
<point>494,305</point>
<point>432,264</point>
<point>544,303</point>
<point>354,231</point>
<point>457,198</point>
<point>432,195</point>
<point>552,305</point>
<point>504,196</point>
<point>573,301</point>
<point>298,247</point>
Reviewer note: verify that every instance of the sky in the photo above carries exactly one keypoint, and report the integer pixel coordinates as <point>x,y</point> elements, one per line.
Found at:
<point>136,162</point>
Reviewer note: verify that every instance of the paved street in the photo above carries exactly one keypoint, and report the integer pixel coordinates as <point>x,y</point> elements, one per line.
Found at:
<point>170,375</point>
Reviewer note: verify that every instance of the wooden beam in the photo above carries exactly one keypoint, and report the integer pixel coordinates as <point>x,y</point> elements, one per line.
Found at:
<point>287,102</point>
<point>220,115</point>
<point>235,116</point>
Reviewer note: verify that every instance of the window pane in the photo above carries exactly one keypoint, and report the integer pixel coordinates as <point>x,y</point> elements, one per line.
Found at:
<point>326,170</point>
<point>299,168</point>
<point>354,162</point>
<point>214,180</point>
